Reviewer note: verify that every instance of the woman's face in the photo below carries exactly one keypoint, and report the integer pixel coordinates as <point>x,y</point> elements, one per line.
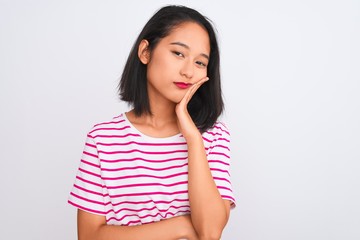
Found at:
<point>179,60</point>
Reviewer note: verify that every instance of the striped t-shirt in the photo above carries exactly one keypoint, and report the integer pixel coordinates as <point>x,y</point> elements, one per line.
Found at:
<point>134,179</point>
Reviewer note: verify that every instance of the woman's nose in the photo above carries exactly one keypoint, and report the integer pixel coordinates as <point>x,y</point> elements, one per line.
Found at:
<point>187,69</point>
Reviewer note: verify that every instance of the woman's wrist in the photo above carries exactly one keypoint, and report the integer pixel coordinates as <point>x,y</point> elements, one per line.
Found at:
<point>193,137</point>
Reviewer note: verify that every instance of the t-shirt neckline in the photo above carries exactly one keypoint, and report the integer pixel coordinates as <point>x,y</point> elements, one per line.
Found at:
<point>173,137</point>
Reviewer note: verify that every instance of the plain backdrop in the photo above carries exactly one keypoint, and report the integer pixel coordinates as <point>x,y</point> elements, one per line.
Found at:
<point>291,81</point>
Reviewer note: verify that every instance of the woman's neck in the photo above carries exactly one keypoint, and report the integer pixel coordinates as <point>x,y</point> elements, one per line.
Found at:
<point>161,123</point>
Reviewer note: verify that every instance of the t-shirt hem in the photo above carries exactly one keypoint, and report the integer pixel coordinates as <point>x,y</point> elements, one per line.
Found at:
<point>89,210</point>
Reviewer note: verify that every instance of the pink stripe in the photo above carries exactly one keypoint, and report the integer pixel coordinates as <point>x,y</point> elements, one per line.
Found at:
<point>111,210</point>
<point>119,116</point>
<point>223,179</point>
<point>219,170</point>
<point>89,136</point>
<point>102,203</point>
<point>90,145</point>
<point>87,209</point>
<point>223,130</point>
<point>228,197</point>
<point>136,150</point>
<point>145,216</point>
<point>222,124</point>
<point>91,173</point>
<point>218,161</point>
<point>220,146</point>
<point>138,221</point>
<point>90,182</point>
<point>117,136</point>
<point>220,153</point>
<point>155,202</point>
<point>214,134</point>
<point>208,140</point>
<point>89,191</point>
<point>105,123</point>
<point>225,139</point>
<point>117,129</point>
<point>143,202</point>
<point>142,144</point>
<point>173,214</point>
<point>142,159</point>
<point>145,175</point>
<point>128,223</point>
<point>147,194</point>
<point>142,167</point>
<point>88,200</point>
<point>89,163</point>
<point>147,184</point>
<point>149,209</point>
<point>226,188</point>
<point>90,154</point>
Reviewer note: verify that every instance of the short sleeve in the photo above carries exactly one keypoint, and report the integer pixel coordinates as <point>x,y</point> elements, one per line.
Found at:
<point>219,162</point>
<point>89,192</point>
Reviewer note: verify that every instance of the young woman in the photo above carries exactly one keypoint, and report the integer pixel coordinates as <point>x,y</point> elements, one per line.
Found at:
<point>161,170</point>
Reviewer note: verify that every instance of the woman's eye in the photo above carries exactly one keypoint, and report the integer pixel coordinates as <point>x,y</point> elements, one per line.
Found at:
<point>201,64</point>
<point>178,54</point>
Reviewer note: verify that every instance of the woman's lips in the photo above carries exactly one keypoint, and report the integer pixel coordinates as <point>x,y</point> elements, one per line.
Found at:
<point>182,85</point>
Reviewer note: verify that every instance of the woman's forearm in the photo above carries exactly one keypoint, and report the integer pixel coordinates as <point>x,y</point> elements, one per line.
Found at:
<point>92,227</point>
<point>208,212</point>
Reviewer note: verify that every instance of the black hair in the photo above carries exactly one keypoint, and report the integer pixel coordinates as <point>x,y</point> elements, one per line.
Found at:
<point>207,104</point>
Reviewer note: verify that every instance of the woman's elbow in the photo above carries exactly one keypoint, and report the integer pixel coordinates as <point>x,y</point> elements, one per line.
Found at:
<point>211,235</point>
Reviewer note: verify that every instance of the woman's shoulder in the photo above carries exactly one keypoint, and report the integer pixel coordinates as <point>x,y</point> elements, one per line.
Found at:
<point>219,127</point>
<point>218,130</point>
<point>115,123</point>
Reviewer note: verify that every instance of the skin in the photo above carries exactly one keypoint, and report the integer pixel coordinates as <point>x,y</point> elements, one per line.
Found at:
<point>182,56</point>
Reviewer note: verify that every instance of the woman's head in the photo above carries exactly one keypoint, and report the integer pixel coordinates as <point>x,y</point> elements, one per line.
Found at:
<point>206,105</point>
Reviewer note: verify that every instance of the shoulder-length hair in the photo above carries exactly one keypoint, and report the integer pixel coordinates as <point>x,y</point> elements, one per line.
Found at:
<point>207,104</point>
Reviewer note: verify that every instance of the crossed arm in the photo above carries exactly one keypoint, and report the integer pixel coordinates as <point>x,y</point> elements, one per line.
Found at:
<point>202,224</point>
<point>209,212</point>
<point>94,227</point>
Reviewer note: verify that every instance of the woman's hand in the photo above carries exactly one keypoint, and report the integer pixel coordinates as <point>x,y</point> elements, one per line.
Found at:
<point>185,123</point>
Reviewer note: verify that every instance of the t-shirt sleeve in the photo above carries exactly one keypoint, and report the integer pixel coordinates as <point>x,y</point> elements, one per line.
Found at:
<point>219,162</point>
<point>88,192</point>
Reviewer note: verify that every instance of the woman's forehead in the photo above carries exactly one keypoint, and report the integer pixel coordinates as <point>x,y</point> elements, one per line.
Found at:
<point>191,34</point>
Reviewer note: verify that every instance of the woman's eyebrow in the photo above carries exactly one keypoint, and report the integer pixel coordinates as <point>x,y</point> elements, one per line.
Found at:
<point>187,47</point>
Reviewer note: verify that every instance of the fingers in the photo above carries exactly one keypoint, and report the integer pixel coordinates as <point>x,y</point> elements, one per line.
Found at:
<point>201,81</point>
<point>190,93</point>
<point>184,119</point>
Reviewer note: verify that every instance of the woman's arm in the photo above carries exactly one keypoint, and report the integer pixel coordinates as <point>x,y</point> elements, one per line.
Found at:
<point>93,227</point>
<point>209,212</point>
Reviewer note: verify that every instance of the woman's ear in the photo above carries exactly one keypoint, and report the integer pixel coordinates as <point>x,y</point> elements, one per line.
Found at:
<point>144,52</point>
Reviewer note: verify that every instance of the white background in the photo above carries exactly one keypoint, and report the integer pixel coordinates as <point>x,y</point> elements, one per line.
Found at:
<point>291,83</point>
